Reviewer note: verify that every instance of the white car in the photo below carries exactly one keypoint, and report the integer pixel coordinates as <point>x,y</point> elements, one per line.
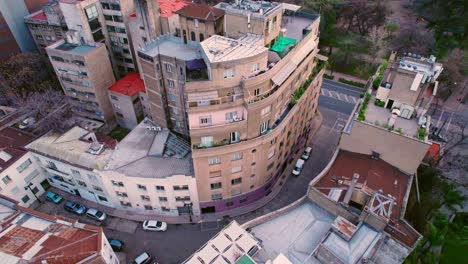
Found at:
<point>96,215</point>
<point>298,168</point>
<point>27,123</point>
<point>143,258</point>
<point>306,154</point>
<point>154,225</point>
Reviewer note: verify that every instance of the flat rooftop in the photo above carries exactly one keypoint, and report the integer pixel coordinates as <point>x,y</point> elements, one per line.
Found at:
<point>296,25</point>
<point>245,7</point>
<point>222,49</point>
<point>75,147</point>
<point>12,142</point>
<point>150,151</point>
<point>82,49</point>
<point>294,234</point>
<point>172,47</point>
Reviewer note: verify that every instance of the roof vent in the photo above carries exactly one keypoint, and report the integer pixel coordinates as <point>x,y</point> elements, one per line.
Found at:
<point>375,155</point>
<point>95,148</point>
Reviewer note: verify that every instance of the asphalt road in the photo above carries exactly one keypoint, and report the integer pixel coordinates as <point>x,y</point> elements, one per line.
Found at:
<point>180,241</point>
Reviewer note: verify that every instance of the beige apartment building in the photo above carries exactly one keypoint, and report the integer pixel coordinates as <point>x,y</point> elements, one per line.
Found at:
<point>246,113</point>
<point>199,22</point>
<point>85,73</point>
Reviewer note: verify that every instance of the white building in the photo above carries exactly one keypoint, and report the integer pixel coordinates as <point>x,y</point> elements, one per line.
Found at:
<point>21,176</point>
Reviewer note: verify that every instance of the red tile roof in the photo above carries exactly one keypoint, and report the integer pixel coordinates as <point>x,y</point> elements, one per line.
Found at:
<point>169,7</point>
<point>40,16</point>
<point>374,176</point>
<point>12,141</point>
<point>132,14</point>
<point>202,12</point>
<point>129,85</point>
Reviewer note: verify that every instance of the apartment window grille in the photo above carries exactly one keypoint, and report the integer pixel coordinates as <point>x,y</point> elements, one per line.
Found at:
<point>258,91</point>
<point>205,121</point>
<point>214,160</point>
<point>236,181</point>
<point>216,185</point>
<point>24,165</point>
<point>237,156</point>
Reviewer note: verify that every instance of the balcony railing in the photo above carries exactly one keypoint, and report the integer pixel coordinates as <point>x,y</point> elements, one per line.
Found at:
<point>215,101</point>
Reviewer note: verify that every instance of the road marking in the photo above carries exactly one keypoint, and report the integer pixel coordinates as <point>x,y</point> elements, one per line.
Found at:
<point>448,126</point>
<point>339,96</point>
<point>440,117</point>
<point>341,87</point>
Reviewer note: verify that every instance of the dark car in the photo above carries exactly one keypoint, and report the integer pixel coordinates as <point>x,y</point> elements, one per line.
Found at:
<point>75,208</point>
<point>116,244</point>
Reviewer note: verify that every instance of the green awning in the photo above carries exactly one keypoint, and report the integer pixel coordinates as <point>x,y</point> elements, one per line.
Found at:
<point>245,259</point>
<point>281,44</point>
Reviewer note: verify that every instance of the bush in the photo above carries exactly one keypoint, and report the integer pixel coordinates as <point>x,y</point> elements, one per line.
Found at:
<point>358,84</point>
<point>361,117</point>
<point>326,76</point>
<point>361,95</point>
<point>422,133</point>
<point>379,103</point>
<point>377,82</point>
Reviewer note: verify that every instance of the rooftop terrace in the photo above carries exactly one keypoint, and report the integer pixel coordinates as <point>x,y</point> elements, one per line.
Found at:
<point>172,47</point>
<point>150,151</point>
<point>221,49</point>
<point>256,8</point>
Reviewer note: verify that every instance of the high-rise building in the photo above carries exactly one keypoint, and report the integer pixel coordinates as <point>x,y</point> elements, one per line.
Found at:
<point>14,35</point>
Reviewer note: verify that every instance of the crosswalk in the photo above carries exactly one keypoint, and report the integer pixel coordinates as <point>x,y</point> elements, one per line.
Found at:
<point>339,96</point>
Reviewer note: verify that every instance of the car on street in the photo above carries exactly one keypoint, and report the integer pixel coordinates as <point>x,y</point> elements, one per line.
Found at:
<point>116,244</point>
<point>27,123</point>
<point>298,168</point>
<point>154,225</point>
<point>53,197</point>
<point>306,154</point>
<point>75,208</point>
<point>96,214</point>
<point>143,258</point>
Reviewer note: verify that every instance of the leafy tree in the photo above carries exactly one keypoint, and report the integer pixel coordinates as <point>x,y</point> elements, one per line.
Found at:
<point>392,28</point>
<point>361,16</point>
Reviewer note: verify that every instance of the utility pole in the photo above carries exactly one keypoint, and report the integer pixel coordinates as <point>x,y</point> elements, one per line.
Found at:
<point>29,187</point>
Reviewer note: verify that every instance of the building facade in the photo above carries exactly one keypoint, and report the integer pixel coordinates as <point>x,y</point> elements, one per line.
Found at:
<point>199,22</point>
<point>85,73</point>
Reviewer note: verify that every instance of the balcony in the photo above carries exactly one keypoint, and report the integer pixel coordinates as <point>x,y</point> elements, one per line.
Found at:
<point>215,101</point>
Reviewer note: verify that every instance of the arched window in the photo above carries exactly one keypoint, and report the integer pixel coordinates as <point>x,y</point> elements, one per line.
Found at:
<point>193,36</point>
<point>202,37</point>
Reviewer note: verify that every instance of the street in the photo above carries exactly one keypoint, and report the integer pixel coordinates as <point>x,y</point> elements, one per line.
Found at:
<point>180,241</point>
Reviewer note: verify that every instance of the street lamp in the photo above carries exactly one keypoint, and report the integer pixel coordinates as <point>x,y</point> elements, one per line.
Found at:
<point>29,187</point>
<point>189,206</point>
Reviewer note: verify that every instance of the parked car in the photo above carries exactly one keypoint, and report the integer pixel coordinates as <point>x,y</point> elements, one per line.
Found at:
<point>75,208</point>
<point>95,214</point>
<point>27,123</point>
<point>143,258</point>
<point>306,154</point>
<point>53,197</point>
<point>116,244</point>
<point>422,121</point>
<point>298,168</point>
<point>154,225</point>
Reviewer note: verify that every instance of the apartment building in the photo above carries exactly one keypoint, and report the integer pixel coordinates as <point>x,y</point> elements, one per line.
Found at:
<point>35,237</point>
<point>199,22</point>
<point>21,176</point>
<point>14,35</point>
<point>150,170</point>
<point>129,100</point>
<point>46,25</point>
<point>255,17</point>
<point>246,114</point>
<point>85,73</point>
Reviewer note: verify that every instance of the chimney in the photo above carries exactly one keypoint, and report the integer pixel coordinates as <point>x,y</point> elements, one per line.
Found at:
<point>349,192</point>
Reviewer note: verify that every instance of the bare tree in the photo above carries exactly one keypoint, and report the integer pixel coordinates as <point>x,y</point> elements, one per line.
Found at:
<point>361,16</point>
<point>376,38</point>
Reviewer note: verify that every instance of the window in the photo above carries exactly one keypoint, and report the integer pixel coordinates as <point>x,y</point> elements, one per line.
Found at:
<point>75,172</point>
<point>145,197</point>
<point>174,111</point>
<point>148,207</point>
<point>243,200</point>
<point>6,179</point>
<point>236,169</point>
<point>168,67</point>
<point>192,36</point>
<point>214,160</point>
<point>216,196</point>
<point>91,12</point>
<point>229,73</point>
<point>115,6</point>
<point>231,116</point>
<point>216,185</point>
<point>102,198</point>
<point>270,166</point>
<point>205,121</point>
<point>236,192</point>
<point>111,28</point>
<point>106,17</point>
<point>180,187</point>
<point>25,199</point>
<point>229,204</point>
<point>173,97</point>
<point>159,188</point>
<point>171,83</point>
<point>235,136</point>
<point>237,156</point>
<point>81,183</point>
<point>24,165</point>
<point>236,181</point>
<point>207,141</point>
<point>255,67</point>
<point>51,165</point>
<point>121,194</point>
<point>266,110</point>
<point>264,126</point>
<point>141,187</point>
<point>202,37</point>
<point>55,58</point>
<point>165,209</point>
<point>258,91</point>
<point>35,190</point>
<point>120,30</point>
<point>125,204</point>
<point>252,186</point>
<point>182,199</point>
<point>214,174</point>
<point>163,199</point>
<point>271,153</point>
<point>105,5</point>
<point>99,189</point>
<point>117,183</point>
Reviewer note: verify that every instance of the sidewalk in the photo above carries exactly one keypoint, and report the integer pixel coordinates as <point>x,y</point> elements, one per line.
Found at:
<point>338,75</point>
<point>316,124</point>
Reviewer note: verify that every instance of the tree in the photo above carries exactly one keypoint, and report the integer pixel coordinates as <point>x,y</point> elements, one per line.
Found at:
<point>453,197</point>
<point>361,16</point>
<point>415,39</point>
<point>376,40</point>
<point>391,28</point>
<point>455,67</point>
<point>25,73</point>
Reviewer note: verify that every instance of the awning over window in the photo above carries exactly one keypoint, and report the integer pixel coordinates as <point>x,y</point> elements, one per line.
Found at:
<point>196,64</point>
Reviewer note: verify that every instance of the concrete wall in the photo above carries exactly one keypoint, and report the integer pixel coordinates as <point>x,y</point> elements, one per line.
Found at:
<point>15,189</point>
<point>398,150</point>
<point>331,206</point>
<point>126,111</point>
